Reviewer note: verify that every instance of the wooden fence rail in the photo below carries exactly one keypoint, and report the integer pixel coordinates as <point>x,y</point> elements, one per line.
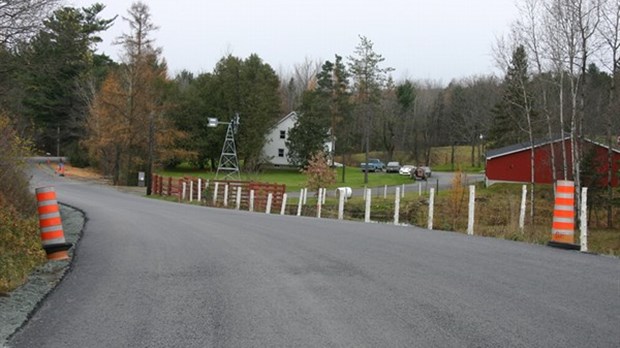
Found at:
<point>226,191</point>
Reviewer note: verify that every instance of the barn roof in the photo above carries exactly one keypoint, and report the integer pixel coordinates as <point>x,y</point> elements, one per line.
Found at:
<point>507,150</point>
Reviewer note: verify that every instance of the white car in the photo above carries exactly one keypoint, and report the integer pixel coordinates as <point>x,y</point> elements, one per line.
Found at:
<point>406,169</point>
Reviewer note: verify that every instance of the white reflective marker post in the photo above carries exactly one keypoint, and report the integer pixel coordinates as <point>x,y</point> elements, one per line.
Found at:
<point>283,208</point>
<point>301,196</point>
<point>470,217</point>
<point>215,189</point>
<point>583,227</point>
<point>431,208</point>
<point>341,197</point>
<point>269,200</point>
<point>367,210</point>
<point>199,190</point>
<point>522,209</point>
<point>396,205</point>
<point>191,191</point>
<point>251,204</point>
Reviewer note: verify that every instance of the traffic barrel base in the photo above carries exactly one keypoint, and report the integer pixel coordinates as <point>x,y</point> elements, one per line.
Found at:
<point>57,252</point>
<point>565,246</point>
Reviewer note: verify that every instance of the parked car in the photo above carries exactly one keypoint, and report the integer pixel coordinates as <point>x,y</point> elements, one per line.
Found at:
<point>392,167</point>
<point>427,171</point>
<point>421,173</point>
<point>406,169</point>
<point>373,165</point>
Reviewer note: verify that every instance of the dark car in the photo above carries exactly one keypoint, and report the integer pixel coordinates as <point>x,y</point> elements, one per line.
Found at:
<point>421,173</point>
<point>392,167</point>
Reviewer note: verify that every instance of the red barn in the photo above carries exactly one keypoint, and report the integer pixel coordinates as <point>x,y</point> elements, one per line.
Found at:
<point>512,163</point>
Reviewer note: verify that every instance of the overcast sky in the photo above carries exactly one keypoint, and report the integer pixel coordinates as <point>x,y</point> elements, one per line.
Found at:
<point>421,39</point>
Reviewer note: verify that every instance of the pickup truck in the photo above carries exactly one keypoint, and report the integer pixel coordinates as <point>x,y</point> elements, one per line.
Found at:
<point>373,165</point>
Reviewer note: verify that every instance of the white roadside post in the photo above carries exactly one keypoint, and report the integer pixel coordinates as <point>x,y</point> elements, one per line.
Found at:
<point>402,192</point>
<point>269,200</point>
<point>318,203</point>
<point>301,196</point>
<point>419,189</point>
<point>583,226</point>
<point>199,190</point>
<point>522,210</point>
<point>238,198</point>
<point>431,208</point>
<point>251,204</point>
<point>341,196</point>
<point>283,208</point>
<point>367,210</point>
<point>226,195</point>
<point>191,190</point>
<point>384,191</point>
<point>305,196</point>
<point>215,189</point>
<point>470,218</point>
<point>184,189</point>
<point>324,195</point>
<point>397,206</point>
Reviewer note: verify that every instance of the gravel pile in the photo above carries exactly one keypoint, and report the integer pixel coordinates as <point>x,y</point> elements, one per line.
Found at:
<point>22,302</point>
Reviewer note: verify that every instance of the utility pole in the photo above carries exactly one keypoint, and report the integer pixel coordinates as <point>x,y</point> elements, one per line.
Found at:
<point>151,155</point>
<point>58,141</point>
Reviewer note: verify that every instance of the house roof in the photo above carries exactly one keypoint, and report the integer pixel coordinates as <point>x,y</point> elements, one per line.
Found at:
<point>507,150</point>
<point>292,114</point>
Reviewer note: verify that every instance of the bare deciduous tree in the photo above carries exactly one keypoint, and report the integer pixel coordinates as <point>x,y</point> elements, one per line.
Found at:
<point>20,19</point>
<point>294,84</point>
<point>609,30</point>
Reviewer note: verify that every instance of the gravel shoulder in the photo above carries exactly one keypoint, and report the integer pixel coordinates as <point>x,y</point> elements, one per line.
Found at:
<point>16,308</point>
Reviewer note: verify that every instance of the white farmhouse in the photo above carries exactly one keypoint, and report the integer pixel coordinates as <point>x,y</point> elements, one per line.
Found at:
<point>275,151</point>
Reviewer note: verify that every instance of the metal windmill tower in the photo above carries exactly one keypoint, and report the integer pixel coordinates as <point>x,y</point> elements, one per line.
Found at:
<point>228,159</point>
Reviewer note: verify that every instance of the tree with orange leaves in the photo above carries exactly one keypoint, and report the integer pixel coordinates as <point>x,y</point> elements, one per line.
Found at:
<point>128,132</point>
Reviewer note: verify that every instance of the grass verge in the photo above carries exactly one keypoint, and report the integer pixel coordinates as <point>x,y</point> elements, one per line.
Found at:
<point>295,180</point>
<point>20,247</point>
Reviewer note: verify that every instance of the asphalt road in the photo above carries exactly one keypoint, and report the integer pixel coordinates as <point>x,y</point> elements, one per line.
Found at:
<point>149,273</point>
<point>439,181</point>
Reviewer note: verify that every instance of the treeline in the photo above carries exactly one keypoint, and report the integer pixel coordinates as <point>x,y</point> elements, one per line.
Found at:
<point>125,116</point>
<point>560,65</point>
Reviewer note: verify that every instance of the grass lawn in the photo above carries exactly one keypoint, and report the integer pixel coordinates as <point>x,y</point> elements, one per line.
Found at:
<point>294,180</point>
<point>439,159</point>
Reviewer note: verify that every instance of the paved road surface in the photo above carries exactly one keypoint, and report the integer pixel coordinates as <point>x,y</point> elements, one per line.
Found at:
<point>439,181</point>
<point>155,274</point>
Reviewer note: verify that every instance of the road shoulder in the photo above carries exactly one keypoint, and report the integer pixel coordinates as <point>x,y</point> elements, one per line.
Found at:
<point>20,304</point>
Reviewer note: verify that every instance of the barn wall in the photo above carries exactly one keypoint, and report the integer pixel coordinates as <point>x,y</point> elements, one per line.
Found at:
<point>515,167</point>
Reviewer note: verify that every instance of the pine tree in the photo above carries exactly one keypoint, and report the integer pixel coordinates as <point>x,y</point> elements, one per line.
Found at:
<point>369,78</point>
<point>60,58</point>
<point>323,114</point>
<point>514,115</point>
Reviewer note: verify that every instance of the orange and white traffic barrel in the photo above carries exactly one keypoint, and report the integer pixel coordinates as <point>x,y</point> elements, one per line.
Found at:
<point>50,224</point>
<point>563,227</point>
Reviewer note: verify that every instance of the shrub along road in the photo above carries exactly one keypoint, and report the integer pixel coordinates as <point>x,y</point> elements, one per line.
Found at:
<point>154,273</point>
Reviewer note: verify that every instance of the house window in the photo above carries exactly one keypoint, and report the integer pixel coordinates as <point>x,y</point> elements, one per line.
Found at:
<point>280,152</point>
<point>282,134</point>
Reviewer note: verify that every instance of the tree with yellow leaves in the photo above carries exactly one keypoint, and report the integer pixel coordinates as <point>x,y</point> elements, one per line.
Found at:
<point>128,132</point>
